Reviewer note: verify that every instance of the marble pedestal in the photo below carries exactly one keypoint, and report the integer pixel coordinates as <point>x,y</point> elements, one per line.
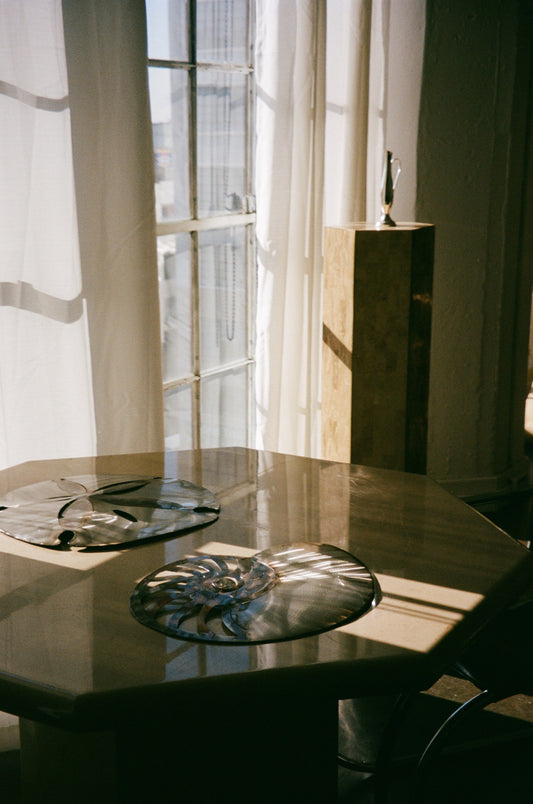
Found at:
<point>376,344</point>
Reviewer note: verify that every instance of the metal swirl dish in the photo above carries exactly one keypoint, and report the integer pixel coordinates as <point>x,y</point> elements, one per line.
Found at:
<point>104,511</point>
<point>287,592</point>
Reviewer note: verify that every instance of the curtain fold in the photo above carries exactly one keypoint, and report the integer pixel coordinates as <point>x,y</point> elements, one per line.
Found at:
<point>46,401</point>
<point>290,44</point>
<point>348,49</point>
<point>79,321</point>
<point>113,165</point>
<point>312,65</point>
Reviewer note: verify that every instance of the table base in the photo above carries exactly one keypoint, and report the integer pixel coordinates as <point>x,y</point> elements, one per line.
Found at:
<point>259,750</point>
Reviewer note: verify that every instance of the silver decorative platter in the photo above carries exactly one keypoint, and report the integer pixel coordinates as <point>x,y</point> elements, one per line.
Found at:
<point>287,592</point>
<point>104,511</point>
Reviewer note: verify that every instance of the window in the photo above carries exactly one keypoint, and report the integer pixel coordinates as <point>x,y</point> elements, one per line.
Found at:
<point>202,100</point>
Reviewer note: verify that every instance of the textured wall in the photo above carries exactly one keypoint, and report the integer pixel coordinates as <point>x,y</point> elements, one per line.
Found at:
<point>472,145</point>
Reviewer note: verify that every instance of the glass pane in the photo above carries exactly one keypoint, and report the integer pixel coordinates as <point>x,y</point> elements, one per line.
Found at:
<point>221,142</point>
<point>167,29</point>
<point>222,31</point>
<point>170,132</point>
<point>225,409</point>
<point>174,265</point>
<point>178,417</point>
<point>222,296</point>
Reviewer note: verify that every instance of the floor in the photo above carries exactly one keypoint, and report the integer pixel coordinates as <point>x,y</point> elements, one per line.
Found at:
<point>491,764</point>
<point>9,777</point>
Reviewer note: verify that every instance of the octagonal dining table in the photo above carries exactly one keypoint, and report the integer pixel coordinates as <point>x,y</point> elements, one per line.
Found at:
<point>112,710</point>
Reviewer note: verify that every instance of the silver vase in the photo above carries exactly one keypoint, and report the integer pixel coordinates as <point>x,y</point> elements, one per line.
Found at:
<point>391,174</point>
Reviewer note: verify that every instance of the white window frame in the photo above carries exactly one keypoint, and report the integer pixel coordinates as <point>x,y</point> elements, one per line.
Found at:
<point>194,225</point>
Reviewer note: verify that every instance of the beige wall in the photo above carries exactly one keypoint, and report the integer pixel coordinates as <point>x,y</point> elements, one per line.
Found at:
<point>474,137</point>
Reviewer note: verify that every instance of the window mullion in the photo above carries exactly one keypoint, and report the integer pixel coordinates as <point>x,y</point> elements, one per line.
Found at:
<point>250,207</point>
<point>193,90</point>
<point>204,224</point>
<point>195,340</point>
<point>193,196</point>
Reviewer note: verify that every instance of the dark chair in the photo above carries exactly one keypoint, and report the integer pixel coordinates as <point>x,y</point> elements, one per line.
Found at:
<point>499,662</point>
<point>372,726</point>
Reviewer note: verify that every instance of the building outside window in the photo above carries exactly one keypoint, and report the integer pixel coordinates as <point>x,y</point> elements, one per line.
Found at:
<point>201,79</point>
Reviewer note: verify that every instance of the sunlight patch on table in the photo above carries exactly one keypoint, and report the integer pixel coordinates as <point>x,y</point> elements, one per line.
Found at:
<point>413,615</point>
<point>223,549</point>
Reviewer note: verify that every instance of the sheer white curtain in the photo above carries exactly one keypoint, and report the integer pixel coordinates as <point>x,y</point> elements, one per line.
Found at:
<point>347,111</point>
<point>290,74</point>
<point>311,161</point>
<point>323,74</point>
<point>79,323</point>
<point>46,400</point>
<point>113,168</point>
